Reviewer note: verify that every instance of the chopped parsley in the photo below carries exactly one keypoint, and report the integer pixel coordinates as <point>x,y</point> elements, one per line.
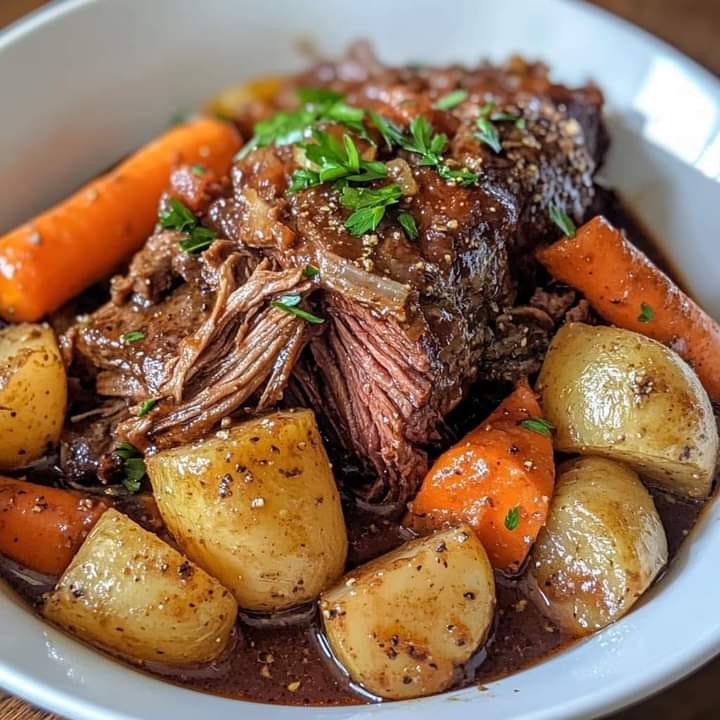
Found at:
<point>423,142</point>
<point>390,132</point>
<point>487,133</point>
<point>333,160</point>
<point>451,100</point>
<point>289,303</point>
<point>646,313</point>
<point>512,519</point>
<point>407,222</point>
<point>133,336</point>
<point>178,217</point>
<point>318,106</point>
<point>146,406</point>
<point>133,466</point>
<point>198,170</point>
<point>368,206</point>
<point>461,176</point>
<point>538,425</point>
<point>563,221</point>
<point>310,271</point>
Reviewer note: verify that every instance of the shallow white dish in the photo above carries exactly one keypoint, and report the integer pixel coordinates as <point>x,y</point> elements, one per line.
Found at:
<point>87,80</point>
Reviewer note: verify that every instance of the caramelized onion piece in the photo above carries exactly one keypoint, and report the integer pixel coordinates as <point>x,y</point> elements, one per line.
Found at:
<point>399,170</point>
<point>343,276</point>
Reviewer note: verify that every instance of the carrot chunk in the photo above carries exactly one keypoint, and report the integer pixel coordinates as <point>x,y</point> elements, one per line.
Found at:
<point>43,527</point>
<point>628,290</point>
<point>499,479</point>
<point>59,253</point>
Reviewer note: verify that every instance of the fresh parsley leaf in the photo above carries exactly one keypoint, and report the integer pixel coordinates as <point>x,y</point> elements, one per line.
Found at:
<point>390,132</point>
<point>314,95</point>
<point>146,406</point>
<point>451,100</point>
<point>310,271</point>
<point>407,221</point>
<point>488,134</point>
<point>292,309</point>
<point>200,239</point>
<point>133,336</point>
<point>461,176</point>
<point>198,170</point>
<point>356,198</point>
<point>177,217</point>
<point>512,519</point>
<point>538,425</point>
<point>365,220</point>
<point>133,466</point>
<point>302,180</point>
<point>422,141</point>
<point>646,313</point>
<point>563,221</point>
<point>518,121</point>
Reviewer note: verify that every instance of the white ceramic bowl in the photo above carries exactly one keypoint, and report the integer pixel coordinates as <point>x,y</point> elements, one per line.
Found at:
<point>85,81</point>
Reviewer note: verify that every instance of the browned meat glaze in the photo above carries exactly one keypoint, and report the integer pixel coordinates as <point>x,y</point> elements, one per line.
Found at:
<point>382,380</point>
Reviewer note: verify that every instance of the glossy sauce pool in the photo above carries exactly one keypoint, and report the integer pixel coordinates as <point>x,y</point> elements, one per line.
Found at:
<point>282,659</point>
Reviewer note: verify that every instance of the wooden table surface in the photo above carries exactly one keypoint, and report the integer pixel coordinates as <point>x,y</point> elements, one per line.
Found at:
<point>693,26</point>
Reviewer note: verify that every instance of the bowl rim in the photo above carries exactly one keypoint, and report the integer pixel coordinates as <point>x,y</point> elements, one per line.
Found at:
<point>603,700</point>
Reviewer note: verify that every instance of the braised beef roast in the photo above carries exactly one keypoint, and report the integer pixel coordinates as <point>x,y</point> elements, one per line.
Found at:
<point>409,322</point>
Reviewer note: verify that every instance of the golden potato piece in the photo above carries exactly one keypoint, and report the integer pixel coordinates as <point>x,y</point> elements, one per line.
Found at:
<point>33,394</point>
<point>404,624</point>
<point>602,547</point>
<point>256,506</point>
<point>622,395</point>
<point>129,592</point>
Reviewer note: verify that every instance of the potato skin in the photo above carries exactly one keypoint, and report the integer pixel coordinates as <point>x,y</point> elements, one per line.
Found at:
<point>618,394</point>
<point>256,506</point>
<point>602,547</point>
<point>132,594</point>
<point>33,394</point>
<point>402,624</point>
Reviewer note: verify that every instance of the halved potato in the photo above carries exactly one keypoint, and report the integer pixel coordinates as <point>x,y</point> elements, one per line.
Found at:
<point>131,593</point>
<point>33,393</point>
<point>602,546</point>
<point>256,506</point>
<point>403,625</point>
<point>622,395</point>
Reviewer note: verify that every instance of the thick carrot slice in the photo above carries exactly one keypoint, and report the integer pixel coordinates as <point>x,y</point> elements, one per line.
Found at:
<point>628,290</point>
<point>499,479</point>
<point>43,527</point>
<point>83,239</point>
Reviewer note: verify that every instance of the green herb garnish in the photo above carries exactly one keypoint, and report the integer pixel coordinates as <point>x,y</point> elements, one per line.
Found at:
<point>512,519</point>
<point>423,142</point>
<point>146,406</point>
<point>198,170</point>
<point>451,100</point>
<point>538,425</point>
<point>289,303</point>
<point>133,466</point>
<point>177,217</point>
<point>407,221</point>
<point>563,221</point>
<point>462,176</point>
<point>133,336</point>
<point>646,313</point>
<point>319,105</point>
<point>310,271</point>
<point>390,132</point>
<point>369,206</point>
<point>488,134</point>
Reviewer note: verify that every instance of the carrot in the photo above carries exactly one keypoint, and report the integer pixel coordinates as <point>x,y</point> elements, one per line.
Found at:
<point>499,479</point>
<point>43,527</point>
<point>628,290</point>
<point>47,261</point>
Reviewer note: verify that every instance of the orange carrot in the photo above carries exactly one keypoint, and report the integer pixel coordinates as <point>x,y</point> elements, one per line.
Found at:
<point>499,479</point>
<point>628,290</point>
<point>43,527</point>
<point>83,239</point>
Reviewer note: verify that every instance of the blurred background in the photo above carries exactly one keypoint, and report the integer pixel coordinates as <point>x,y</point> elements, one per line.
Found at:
<point>692,26</point>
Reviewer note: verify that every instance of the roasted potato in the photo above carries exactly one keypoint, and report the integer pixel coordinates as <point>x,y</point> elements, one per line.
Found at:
<point>622,395</point>
<point>404,624</point>
<point>602,546</point>
<point>33,394</point>
<point>129,592</point>
<point>257,507</point>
